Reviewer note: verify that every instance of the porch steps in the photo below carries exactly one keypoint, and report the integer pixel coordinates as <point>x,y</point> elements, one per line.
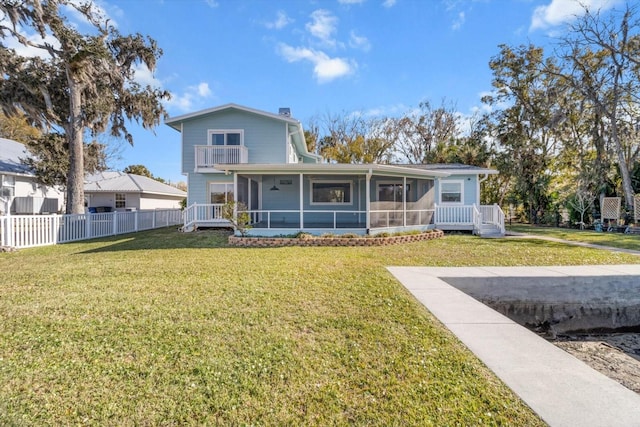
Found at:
<point>489,230</point>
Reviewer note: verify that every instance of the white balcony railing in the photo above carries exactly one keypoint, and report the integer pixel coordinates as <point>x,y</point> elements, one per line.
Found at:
<point>209,155</point>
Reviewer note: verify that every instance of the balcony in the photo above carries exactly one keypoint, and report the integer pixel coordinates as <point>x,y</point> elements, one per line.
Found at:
<point>209,155</point>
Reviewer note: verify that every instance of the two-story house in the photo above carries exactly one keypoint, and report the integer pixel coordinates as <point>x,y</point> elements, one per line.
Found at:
<point>232,152</point>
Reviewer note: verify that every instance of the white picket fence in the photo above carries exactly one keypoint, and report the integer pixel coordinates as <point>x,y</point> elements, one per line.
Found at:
<point>26,231</point>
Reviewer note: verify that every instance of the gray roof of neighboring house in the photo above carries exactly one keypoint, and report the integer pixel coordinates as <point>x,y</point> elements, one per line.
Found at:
<point>120,182</point>
<point>10,154</point>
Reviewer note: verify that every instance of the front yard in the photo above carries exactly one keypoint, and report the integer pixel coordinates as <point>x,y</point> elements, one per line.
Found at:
<point>164,328</point>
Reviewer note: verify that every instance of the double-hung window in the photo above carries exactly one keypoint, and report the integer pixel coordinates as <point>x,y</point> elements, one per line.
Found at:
<point>331,193</point>
<point>451,191</point>
<point>7,186</point>
<point>121,200</point>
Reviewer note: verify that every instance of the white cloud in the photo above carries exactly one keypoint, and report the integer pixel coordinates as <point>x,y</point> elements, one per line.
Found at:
<point>323,25</point>
<point>30,51</point>
<point>188,100</point>
<point>145,77</point>
<point>351,1</point>
<point>389,3</point>
<point>212,3</point>
<point>560,11</point>
<point>203,90</point>
<point>459,22</point>
<point>281,21</point>
<point>325,68</point>
<point>74,20</point>
<point>76,17</point>
<point>359,42</point>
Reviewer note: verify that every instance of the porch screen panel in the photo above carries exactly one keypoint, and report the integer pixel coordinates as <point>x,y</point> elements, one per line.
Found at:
<point>392,192</point>
<point>243,190</point>
<point>331,192</point>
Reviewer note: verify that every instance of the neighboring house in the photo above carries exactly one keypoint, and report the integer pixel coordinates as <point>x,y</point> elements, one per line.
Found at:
<point>20,192</point>
<point>119,191</point>
<point>259,158</point>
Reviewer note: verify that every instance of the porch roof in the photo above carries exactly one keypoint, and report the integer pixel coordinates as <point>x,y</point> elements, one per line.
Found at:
<point>331,169</point>
<point>455,168</point>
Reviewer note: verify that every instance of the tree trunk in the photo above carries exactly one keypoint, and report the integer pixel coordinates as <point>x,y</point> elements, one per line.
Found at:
<point>75,177</point>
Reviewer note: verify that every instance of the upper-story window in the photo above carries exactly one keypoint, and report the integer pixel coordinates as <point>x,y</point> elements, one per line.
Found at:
<point>226,137</point>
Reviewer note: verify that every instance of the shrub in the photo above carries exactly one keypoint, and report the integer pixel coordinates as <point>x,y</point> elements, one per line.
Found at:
<point>383,234</point>
<point>241,220</point>
<point>304,236</point>
<point>349,236</point>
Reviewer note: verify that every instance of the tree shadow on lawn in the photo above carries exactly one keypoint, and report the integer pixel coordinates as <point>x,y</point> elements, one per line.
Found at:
<point>162,238</point>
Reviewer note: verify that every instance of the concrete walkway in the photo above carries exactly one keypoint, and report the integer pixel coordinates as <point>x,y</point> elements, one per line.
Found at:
<point>570,242</point>
<point>561,389</point>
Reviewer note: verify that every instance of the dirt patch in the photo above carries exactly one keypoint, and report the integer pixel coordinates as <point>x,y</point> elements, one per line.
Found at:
<point>614,355</point>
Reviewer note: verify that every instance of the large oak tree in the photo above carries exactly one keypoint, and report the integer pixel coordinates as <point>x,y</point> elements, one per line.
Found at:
<point>80,83</point>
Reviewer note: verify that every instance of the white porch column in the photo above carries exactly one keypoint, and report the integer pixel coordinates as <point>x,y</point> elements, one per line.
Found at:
<point>367,206</point>
<point>249,194</point>
<point>235,194</point>
<point>301,201</point>
<point>404,201</point>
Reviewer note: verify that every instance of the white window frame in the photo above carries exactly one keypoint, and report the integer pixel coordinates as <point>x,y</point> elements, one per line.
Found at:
<point>224,132</point>
<point>123,201</point>
<point>459,182</point>
<point>330,181</point>
<point>227,185</point>
<point>399,183</point>
<point>8,183</point>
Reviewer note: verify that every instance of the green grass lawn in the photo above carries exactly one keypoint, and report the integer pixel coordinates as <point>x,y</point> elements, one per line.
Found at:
<point>616,240</point>
<point>164,328</point>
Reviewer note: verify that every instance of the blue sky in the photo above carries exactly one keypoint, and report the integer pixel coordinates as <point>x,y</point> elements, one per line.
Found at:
<point>320,56</point>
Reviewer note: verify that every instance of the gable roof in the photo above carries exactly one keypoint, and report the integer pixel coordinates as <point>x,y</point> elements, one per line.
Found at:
<point>120,182</point>
<point>10,154</point>
<point>175,122</point>
<point>295,127</point>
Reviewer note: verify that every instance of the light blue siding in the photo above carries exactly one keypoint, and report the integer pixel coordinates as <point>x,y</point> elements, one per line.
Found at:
<point>265,138</point>
<point>470,186</point>
<point>199,186</point>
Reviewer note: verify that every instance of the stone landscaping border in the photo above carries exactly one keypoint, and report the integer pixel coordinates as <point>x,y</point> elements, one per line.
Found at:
<point>308,240</point>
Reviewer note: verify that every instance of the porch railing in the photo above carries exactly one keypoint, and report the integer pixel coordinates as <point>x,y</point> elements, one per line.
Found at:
<point>211,215</point>
<point>493,214</point>
<point>400,218</point>
<point>202,213</point>
<point>470,215</point>
<point>454,215</point>
<point>209,155</point>
<point>24,231</point>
